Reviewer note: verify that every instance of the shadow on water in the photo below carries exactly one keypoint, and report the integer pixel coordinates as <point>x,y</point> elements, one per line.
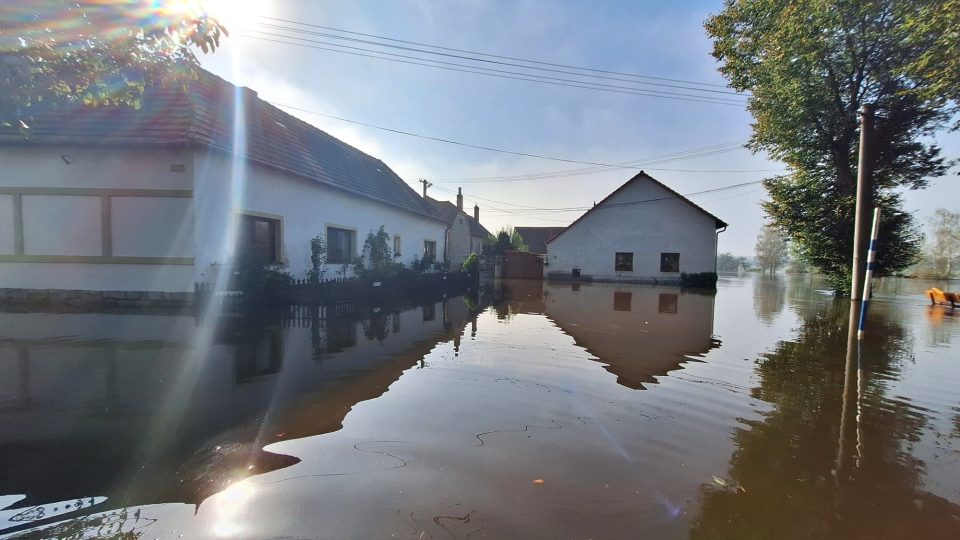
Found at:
<point>833,459</point>
<point>81,392</point>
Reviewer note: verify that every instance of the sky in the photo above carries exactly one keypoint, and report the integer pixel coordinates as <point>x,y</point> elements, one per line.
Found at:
<point>662,39</point>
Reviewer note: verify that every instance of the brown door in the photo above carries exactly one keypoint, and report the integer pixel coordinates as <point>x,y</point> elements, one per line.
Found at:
<point>521,265</point>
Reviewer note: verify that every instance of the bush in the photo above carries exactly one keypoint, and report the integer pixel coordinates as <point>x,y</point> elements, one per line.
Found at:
<point>264,284</point>
<point>472,264</point>
<point>701,280</point>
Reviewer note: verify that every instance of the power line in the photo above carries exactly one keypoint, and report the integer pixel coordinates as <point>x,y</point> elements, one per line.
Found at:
<point>616,205</point>
<point>457,143</point>
<point>495,62</point>
<point>486,72</point>
<point>538,62</point>
<point>662,158</point>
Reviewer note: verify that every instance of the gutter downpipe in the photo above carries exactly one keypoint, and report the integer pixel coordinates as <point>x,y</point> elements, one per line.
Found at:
<point>716,248</point>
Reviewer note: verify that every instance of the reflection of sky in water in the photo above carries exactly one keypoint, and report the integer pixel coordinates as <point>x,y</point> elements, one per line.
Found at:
<point>741,408</point>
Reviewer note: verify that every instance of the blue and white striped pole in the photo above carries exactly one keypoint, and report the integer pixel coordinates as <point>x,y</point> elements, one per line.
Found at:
<point>871,264</point>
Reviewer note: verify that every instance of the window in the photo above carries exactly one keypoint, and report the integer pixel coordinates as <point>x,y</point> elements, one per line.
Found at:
<point>396,246</point>
<point>258,241</point>
<point>430,250</point>
<point>429,312</point>
<point>669,262</point>
<point>622,301</point>
<point>623,262</point>
<point>340,245</point>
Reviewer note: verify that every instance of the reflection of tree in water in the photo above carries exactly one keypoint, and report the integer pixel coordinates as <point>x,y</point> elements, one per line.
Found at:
<point>793,482</point>
<point>769,296</point>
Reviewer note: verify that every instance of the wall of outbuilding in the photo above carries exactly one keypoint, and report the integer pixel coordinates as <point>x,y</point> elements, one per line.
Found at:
<point>645,219</point>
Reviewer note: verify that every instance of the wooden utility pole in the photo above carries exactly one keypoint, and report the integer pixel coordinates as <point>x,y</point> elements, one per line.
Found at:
<point>861,236</point>
<point>426,184</point>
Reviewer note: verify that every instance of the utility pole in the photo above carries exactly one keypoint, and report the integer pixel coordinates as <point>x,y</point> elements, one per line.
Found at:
<point>861,237</point>
<point>426,184</point>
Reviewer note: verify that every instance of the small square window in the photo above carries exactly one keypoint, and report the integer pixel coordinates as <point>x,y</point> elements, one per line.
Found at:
<point>669,262</point>
<point>623,262</point>
<point>622,301</point>
<point>396,246</point>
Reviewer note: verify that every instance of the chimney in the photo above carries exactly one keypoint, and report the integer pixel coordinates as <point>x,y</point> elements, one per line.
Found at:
<point>459,200</point>
<point>476,212</point>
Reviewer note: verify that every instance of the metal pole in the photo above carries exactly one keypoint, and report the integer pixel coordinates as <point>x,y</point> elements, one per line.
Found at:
<point>864,174</point>
<point>871,263</point>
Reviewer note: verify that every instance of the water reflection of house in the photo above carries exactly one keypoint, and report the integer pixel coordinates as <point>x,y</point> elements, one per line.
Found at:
<point>146,409</point>
<point>639,332</point>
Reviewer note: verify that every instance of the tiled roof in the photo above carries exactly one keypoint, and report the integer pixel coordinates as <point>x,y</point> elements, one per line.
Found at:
<point>536,238</point>
<point>203,114</point>
<point>448,211</point>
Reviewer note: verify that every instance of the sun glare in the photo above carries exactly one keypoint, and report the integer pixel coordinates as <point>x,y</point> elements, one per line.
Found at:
<point>232,13</point>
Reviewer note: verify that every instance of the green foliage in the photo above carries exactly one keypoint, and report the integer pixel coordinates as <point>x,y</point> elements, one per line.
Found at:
<point>933,28</point>
<point>264,284</point>
<point>700,280</point>
<point>471,264</point>
<point>506,239</point>
<point>318,259</point>
<point>771,249</point>
<point>810,65</point>
<point>95,53</point>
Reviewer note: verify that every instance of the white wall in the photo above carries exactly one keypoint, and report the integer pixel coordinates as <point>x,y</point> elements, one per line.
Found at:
<point>58,225</point>
<point>6,224</point>
<point>306,207</point>
<point>646,230</point>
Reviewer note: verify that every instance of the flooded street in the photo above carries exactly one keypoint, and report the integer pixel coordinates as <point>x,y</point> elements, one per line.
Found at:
<point>536,410</point>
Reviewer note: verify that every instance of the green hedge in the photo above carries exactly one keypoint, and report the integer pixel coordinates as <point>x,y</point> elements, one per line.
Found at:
<point>701,280</point>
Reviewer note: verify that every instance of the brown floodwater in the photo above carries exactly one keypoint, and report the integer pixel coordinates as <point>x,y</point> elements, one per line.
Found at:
<point>532,411</point>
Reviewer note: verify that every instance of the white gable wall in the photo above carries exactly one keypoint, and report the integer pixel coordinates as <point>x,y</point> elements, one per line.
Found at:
<point>305,208</point>
<point>648,229</point>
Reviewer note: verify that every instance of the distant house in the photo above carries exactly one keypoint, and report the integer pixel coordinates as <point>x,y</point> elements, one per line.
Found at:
<point>536,238</point>
<point>194,183</point>
<point>465,234</point>
<point>642,232</point>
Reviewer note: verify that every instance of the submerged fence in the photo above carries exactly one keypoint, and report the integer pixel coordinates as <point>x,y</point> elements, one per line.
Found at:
<point>342,290</point>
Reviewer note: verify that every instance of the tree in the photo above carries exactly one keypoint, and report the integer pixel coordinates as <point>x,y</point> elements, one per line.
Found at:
<point>771,249</point>
<point>810,65</point>
<point>506,239</point>
<point>96,53</point>
<point>943,244</point>
<point>728,262</point>
<point>933,26</point>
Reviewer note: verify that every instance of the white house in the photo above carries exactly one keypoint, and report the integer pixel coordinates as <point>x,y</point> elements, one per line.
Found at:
<point>642,232</point>
<point>156,199</point>
<point>465,234</point>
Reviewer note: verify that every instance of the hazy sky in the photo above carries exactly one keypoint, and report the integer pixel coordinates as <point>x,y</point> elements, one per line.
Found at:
<point>662,39</point>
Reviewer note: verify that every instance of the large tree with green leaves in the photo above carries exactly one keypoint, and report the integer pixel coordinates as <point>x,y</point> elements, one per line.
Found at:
<point>809,66</point>
<point>95,52</point>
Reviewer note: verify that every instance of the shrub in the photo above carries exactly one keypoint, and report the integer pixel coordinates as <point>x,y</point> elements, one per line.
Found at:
<point>472,264</point>
<point>701,280</point>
